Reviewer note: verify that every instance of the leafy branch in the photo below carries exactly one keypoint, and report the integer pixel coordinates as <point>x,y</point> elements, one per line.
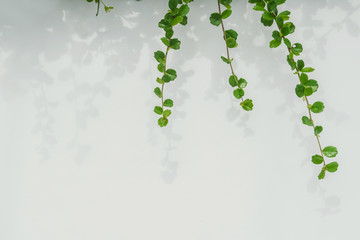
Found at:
<point>176,15</point>
<point>98,2</point>
<point>307,86</point>
<point>230,37</point>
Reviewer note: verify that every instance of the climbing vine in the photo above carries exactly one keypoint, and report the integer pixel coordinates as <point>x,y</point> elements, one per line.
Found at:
<point>230,37</point>
<point>177,14</point>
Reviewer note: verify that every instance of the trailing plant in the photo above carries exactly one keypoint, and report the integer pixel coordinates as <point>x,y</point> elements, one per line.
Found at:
<point>230,37</point>
<point>306,87</point>
<point>176,15</point>
<point>98,2</point>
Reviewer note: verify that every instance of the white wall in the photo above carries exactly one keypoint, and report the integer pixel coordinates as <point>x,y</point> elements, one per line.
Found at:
<point>82,157</point>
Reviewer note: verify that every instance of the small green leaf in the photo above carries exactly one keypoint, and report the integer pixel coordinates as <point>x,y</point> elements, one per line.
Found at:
<point>157,91</point>
<point>163,122</point>
<point>184,10</point>
<point>238,93</point>
<point>275,43</point>
<point>242,83</point>
<point>231,42</point>
<point>332,167</point>
<point>266,22</point>
<point>308,92</point>
<point>304,78</point>
<point>247,105</point>
<point>307,121</point>
<point>330,151</point>
<point>317,107</point>
<point>232,81</point>
<point>168,103</point>
<point>173,4</point>
<point>321,174</point>
<point>231,34</point>
<point>159,80</point>
<point>299,90</point>
<point>297,48</point>
<point>175,43</point>
<point>215,19</point>
<point>161,67</point>
<point>287,42</point>
<point>171,73</point>
<point>176,20</point>
<point>300,64</point>
<point>268,16</point>
<point>158,110</point>
<point>307,69</point>
<point>165,41</point>
<point>159,56</point>
<point>313,84</point>
<point>169,32</point>
<point>318,130</point>
<point>317,159</point>
<point>225,14</point>
<point>166,113</point>
<point>225,60</point>
<point>276,36</point>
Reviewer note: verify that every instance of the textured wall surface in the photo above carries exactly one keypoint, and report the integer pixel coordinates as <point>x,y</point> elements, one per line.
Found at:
<point>82,157</point>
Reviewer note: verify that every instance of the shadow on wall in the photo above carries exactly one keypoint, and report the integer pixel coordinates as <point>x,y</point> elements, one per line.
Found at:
<point>68,31</point>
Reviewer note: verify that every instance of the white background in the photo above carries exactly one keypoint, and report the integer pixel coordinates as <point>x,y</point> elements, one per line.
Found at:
<point>82,157</point>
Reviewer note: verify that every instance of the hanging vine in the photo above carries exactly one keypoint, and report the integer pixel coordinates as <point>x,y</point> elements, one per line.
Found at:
<point>306,87</point>
<point>230,37</point>
<point>177,14</point>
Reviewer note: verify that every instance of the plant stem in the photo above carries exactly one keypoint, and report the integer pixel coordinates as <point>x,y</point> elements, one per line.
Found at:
<point>227,48</point>
<point>307,102</point>
<point>162,85</point>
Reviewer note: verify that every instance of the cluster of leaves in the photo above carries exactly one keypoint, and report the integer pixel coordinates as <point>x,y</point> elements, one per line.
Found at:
<point>307,87</point>
<point>176,15</point>
<point>230,37</point>
<point>98,2</point>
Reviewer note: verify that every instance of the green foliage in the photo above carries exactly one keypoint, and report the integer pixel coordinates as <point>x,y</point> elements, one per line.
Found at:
<point>98,2</point>
<point>230,37</point>
<point>177,14</point>
<point>306,87</point>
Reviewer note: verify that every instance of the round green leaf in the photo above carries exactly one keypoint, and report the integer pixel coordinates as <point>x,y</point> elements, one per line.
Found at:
<point>231,42</point>
<point>168,103</point>
<point>317,159</point>
<point>247,105</point>
<point>307,121</point>
<point>163,121</point>
<point>318,130</point>
<point>166,113</point>
<point>232,81</point>
<point>215,19</point>
<point>242,83</point>
<point>158,110</point>
<point>330,151</point>
<point>238,93</point>
<point>317,107</point>
<point>299,90</point>
<point>332,167</point>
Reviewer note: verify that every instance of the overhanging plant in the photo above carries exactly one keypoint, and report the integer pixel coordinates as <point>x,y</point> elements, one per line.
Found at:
<point>271,16</point>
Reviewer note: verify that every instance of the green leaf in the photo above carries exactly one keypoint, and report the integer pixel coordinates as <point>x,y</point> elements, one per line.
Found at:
<point>161,67</point>
<point>231,34</point>
<point>225,2</point>
<point>168,103</point>
<point>238,93</point>
<point>231,42</point>
<point>313,84</point>
<point>175,43</point>
<point>276,35</point>
<point>299,90</point>
<point>173,4</point>
<point>308,91</point>
<point>171,73</point>
<point>300,64</point>
<point>159,80</point>
<point>297,48</point>
<point>157,91</point>
<point>225,14</point>
<point>163,122</point>
<point>307,121</point>
<point>247,105</point>
<point>184,10</point>
<point>288,28</point>
<point>242,83</point>
<point>317,107</point>
<point>164,23</point>
<point>307,69</point>
<point>158,110</point>
<point>268,16</point>
<point>330,151</point>
<point>272,7</point>
<point>232,81</point>
<point>318,130</point>
<point>267,23</point>
<point>215,19</point>
<point>332,167</point>
<point>169,32</point>
<point>275,43</point>
<point>321,174</point>
<point>166,113</point>
<point>279,2</point>
<point>317,159</point>
<point>176,20</point>
<point>304,78</point>
<point>287,42</point>
<point>225,60</point>
<point>165,41</point>
<point>159,56</point>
